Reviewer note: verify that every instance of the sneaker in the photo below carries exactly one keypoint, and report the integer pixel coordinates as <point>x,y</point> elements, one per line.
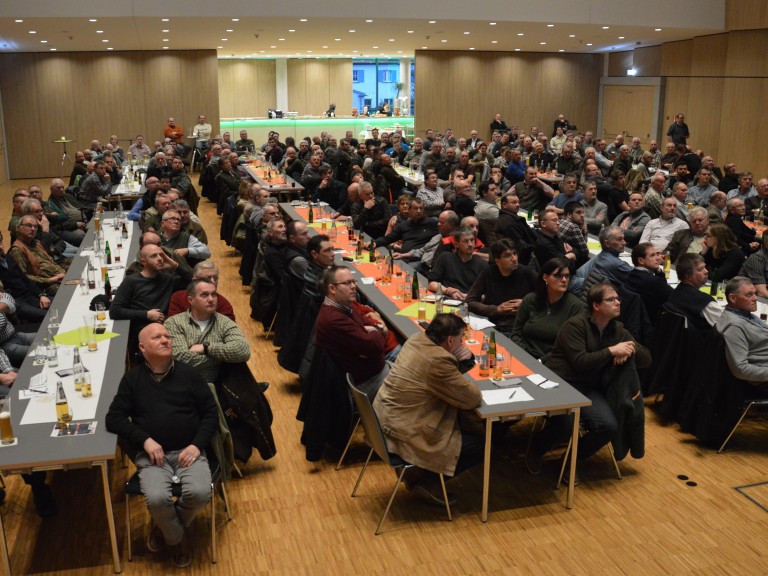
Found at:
<point>45,505</point>
<point>155,540</point>
<point>432,493</point>
<point>180,554</point>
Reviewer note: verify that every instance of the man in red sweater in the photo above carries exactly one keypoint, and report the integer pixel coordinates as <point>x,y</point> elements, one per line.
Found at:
<point>357,343</point>
<point>205,270</point>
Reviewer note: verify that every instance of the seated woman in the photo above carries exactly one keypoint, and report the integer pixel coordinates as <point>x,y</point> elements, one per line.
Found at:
<point>431,194</point>
<point>722,252</point>
<point>403,205</point>
<point>542,313</point>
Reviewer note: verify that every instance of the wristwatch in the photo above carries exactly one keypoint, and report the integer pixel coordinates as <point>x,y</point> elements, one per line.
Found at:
<point>205,348</point>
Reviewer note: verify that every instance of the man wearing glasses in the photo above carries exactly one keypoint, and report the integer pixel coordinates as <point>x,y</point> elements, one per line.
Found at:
<point>32,259</point>
<point>357,343</point>
<point>181,243</point>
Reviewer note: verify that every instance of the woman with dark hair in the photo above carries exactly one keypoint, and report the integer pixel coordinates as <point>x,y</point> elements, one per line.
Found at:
<point>543,312</point>
<point>722,252</point>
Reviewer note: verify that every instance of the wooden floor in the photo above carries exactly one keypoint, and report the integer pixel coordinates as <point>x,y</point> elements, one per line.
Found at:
<point>294,517</point>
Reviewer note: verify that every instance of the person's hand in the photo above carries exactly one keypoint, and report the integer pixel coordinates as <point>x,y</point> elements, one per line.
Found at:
<point>571,256</point>
<point>197,349</point>
<point>82,225</point>
<point>155,315</point>
<point>401,255</point>
<point>188,456</point>
<point>182,252</point>
<point>370,328</point>
<point>57,278</point>
<point>509,307</point>
<point>462,353</point>
<point>368,204</point>
<point>45,224</point>
<point>154,451</point>
<point>375,317</point>
<point>622,351</point>
<point>754,246</point>
<point>455,293</point>
<point>45,302</point>
<point>169,262</point>
<point>8,379</point>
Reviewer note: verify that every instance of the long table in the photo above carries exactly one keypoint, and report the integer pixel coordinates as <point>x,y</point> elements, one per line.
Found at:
<point>36,449</point>
<point>288,188</point>
<point>561,400</point>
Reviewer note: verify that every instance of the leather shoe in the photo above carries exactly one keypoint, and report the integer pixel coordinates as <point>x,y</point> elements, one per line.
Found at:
<point>262,386</point>
<point>180,554</point>
<point>432,492</point>
<point>155,540</point>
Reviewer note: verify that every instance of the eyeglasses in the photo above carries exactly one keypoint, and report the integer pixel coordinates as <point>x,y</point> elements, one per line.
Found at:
<point>562,276</point>
<point>345,283</point>
<point>612,299</point>
<point>27,225</point>
<point>172,219</point>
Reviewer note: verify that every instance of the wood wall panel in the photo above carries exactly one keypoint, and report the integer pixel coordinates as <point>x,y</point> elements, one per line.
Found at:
<point>746,14</point>
<point>314,84</point>
<point>246,88</point>
<point>465,89</point>
<point>647,61</point>
<point>266,91</point>
<point>747,53</point>
<point>709,55</point>
<point>340,85</point>
<point>628,109</point>
<point>297,86</point>
<point>90,95</point>
<point>704,111</point>
<point>318,87</point>
<point>619,62</point>
<point>676,58</point>
<point>675,100</point>
<point>740,141</point>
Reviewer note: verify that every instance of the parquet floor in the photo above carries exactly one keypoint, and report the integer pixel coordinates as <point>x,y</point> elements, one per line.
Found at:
<point>294,517</point>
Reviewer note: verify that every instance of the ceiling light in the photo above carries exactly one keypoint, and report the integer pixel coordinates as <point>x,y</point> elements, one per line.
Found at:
<point>110,48</point>
<point>655,29</point>
<point>166,30</point>
<point>225,39</point>
<point>33,31</point>
<point>222,47</point>
<point>369,21</point>
<point>354,51</point>
<point>471,48</point>
<point>520,34</point>
<point>517,49</point>
<point>543,43</point>
<point>165,47</point>
<point>443,41</point>
<point>262,51</point>
<point>99,31</point>
<point>492,23</point>
<point>621,37</point>
<point>571,35</point>
<point>302,19</point>
<point>230,30</point>
<point>270,46</point>
<point>44,41</point>
<point>410,31</point>
<point>494,41</point>
<point>375,47</point>
<point>53,49</point>
<point>291,30</point>
<point>92,20</point>
<point>235,19</point>
<point>166,40</point>
<point>433,21</point>
<point>352,31</point>
<point>19,20</point>
<point>631,71</point>
<point>423,47</point>
<point>589,44</point>
<point>550,25</point>
<point>465,33</point>
<point>561,50</point>
<point>337,39</point>
<point>391,39</point>
<point>606,27</point>
<point>166,19</point>
<point>325,45</point>
<point>309,51</point>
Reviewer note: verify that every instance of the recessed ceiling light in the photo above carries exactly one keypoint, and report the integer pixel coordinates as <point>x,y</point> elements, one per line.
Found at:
<point>471,48</point>
<point>225,39</point>
<point>606,27</point>
<point>571,35</point>
<point>354,51</point>
<point>589,44</point>
<point>561,50</point>
<point>235,19</point>
<point>423,47</point>
<point>166,19</point>
<point>270,46</point>
<point>99,31</point>
<point>53,49</point>
<point>410,31</point>
<point>325,45</point>
<point>375,47</point>
<point>302,19</point>
<point>165,47</point>
<point>166,40</point>
<point>110,48</point>
<point>222,47</point>
<point>291,30</point>
<point>369,21</point>
<point>494,41</point>
<point>19,20</point>
<point>262,51</point>
<point>621,37</point>
<point>465,33</point>
<point>166,30</point>
<point>655,29</point>
<point>517,49</point>
<point>550,25</point>
<point>492,23</point>
<point>105,40</point>
<point>443,41</point>
<point>33,31</point>
<point>433,21</point>
<point>230,30</point>
<point>543,43</point>
<point>44,41</point>
<point>309,51</point>
<point>337,39</point>
<point>92,20</point>
<point>391,39</point>
<point>520,34</point>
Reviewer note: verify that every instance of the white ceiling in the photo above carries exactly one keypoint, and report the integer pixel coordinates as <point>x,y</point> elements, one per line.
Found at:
<point>276,30</point>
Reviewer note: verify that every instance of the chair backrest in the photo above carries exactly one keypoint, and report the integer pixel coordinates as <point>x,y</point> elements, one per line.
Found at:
<point>373,434</point>
<point>487,231</point>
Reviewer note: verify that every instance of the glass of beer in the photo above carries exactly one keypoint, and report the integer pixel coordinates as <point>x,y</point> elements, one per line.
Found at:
<point>86,389</point>
<point>6,429</point>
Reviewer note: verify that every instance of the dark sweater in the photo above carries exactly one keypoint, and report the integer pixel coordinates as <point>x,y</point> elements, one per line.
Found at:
<point>175,412</point>
<point>516,228</point>
<point>372,221</point>
<point>413,234</point>
<point>138,294</point>
<point>727,266</point>
<point>451,271</point>
<point>536,327</point>
<point>491,289</point>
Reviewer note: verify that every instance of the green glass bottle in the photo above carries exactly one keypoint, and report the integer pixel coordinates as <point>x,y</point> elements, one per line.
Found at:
<point>713,288</point>
<point>492,350</point>
<point>108,254</point>
<point>415,287</point>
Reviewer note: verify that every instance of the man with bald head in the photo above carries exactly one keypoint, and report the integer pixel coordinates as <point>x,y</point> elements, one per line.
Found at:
<point>143,298</point>
<point>69,223</point>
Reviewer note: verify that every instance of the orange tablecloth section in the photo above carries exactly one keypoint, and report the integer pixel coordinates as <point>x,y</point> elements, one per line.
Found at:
<point>757,227</point>
<point>394,289</point>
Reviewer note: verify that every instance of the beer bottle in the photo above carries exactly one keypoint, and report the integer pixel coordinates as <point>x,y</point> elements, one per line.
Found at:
<point>63,415</point>
<point>415,287</point>
<point>108,253</point>
<point>125,231</point>
<point>334,233</point>
<point>311,217</point>
<point>484,356</point>
<point>350,232</point>
<point>359,249</point>
<point>492,351</point>
<point>107,287</point>
<point>372,252</point>
<point>77,369</point>
<point>713,288</point>
<point>439,299</point>
<point>391,262</point>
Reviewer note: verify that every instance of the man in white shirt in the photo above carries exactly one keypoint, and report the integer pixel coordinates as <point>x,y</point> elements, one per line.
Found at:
<point>201,131</point>
<point>659,231</point>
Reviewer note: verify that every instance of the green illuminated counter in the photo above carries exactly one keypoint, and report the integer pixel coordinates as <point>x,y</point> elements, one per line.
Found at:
<point>259,128</point>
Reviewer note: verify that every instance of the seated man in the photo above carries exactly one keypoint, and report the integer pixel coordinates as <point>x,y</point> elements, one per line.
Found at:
<point>456,271</point>
<point>570,193</point>
<point>23,297</point>
<point>202,337</point>
<point>205,270</point>
<point>513,226</point>
<point>690,239</point>
<point>143,298</point>
<point>414,232</point>
<point>181,243</point>
<point>633,221</point>
<point>356,343</point>
<point>60,250</point>
<point>659,231</point>
<point>746,336</point>
<point>245,144</point>
<point>756,269</point>
<point>15,344</point>
<point>138,149</point>
<point>591,353</point>
<point>647,279</point>
<point>19,197</point>
<point>166,416</point>
<point>687,299</point>
<point>70,222</point>
<point>94,186</point>
<point>190,223</point>
<point>548,244</point>
<point>717,207</point>
<point>153,216</point>
<point>32,259</point>
<point>573,231</point>
<point>499,289</point>
<point>607,263</point>
<point>418,406</point>
<point>747,237</point>
<point>486,208</point>
<point>370,213</point>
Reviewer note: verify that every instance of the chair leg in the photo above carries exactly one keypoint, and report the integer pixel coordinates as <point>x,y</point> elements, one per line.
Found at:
<point>128,526</point>
<point>225,497</point>
<point>562,466</point>
<point>271,325</point>
<point>613,459</point>
<point>743,414</point>
<point>237,470</point>
<point>346,448</point>
<point>360,477</point>
<point>445,498</point>
<point>213,525</point>
<point>392,497</point>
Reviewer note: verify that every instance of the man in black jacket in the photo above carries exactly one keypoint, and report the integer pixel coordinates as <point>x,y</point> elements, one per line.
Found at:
<point>548,245</point>
<point>414,232</point>
<point>647,279</point>
<point>166,415</point>
<point>370,213</point>
<point>516,228</point>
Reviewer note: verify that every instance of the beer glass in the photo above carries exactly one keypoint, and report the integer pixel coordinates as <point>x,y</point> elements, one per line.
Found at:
<point>6,429</point>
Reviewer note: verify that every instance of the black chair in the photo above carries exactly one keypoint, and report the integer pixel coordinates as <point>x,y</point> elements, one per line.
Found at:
<point>749,403</point>
<point>375,439</point>
<point>133,488</point>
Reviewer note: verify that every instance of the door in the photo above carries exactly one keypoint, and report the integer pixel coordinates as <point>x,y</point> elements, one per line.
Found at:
<point>628,110</point>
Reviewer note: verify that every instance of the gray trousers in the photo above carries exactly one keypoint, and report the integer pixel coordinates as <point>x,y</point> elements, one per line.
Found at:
<point>156,481</point>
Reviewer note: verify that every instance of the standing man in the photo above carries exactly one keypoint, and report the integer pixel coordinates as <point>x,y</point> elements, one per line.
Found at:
<point>202,132</point>
<point>419,403</point>
<point>678,133</point>
<point>166,415</point>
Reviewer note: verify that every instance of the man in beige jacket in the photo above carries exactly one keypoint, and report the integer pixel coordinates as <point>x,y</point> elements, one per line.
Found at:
<point>419,404</point>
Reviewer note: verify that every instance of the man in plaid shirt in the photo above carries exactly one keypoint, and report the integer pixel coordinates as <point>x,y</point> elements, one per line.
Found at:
<point>573,231</point>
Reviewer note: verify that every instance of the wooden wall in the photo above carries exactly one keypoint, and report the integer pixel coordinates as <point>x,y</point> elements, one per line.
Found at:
<point>646,62</point>
<point>466,89</point>
<point>247,88</point>
<point>87,95</point>
<point>314,84</point>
